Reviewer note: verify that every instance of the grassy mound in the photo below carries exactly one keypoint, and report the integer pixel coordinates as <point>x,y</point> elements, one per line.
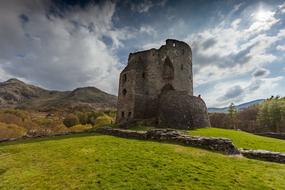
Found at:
<point>106,162</point>
<point>243,139</point>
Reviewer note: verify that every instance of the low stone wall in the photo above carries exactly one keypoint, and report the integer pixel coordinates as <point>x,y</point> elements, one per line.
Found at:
<point>222,145</point>
<point>264,155</point>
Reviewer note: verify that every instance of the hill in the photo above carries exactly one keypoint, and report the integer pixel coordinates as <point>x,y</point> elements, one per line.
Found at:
<point>104,162</point>
<point>239,107</point>
<point>17,94</point>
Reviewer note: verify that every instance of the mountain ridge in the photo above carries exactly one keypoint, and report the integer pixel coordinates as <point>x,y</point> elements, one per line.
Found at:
<point>238,107</point>
<point>15,93</point>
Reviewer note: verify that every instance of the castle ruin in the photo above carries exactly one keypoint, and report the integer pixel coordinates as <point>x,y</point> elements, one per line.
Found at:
<point>157,85</point>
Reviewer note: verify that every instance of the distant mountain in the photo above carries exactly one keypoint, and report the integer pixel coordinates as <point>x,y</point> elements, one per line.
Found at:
<point>239,107</point>
<point>17,94</point>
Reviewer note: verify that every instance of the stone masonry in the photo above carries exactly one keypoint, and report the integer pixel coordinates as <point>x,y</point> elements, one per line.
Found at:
<point>157,85</point>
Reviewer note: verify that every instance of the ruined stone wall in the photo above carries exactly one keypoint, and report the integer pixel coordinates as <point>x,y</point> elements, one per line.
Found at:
<point>180,110</point>
<point>154,71</point>
<point>222,145</point>
<point>126,98</point>
<point>180,56</point>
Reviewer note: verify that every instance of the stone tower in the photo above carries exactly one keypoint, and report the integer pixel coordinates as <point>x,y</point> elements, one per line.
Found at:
<point>152,80</point>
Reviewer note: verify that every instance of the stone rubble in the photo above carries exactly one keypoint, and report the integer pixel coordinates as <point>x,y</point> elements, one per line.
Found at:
<point>222,145</point>
<point>264,155</point>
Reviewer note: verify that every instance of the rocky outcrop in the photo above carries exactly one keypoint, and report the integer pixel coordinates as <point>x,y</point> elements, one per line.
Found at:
<point>264,155</point>
<point>222,145</point>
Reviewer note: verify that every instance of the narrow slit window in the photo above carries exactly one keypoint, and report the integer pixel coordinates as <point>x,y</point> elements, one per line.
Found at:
<point>124,78</point>
<point>123,114</point>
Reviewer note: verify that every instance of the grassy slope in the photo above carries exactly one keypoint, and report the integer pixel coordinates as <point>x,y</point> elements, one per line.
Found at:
<point>105,162</point>
<point>243,139</point>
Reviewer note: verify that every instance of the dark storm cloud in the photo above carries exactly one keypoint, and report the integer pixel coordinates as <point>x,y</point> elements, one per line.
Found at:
<point>236,58</point>
<point>24,18</point>
<point>209,43</point>
<point>260,72</point>
<point>233,92</point>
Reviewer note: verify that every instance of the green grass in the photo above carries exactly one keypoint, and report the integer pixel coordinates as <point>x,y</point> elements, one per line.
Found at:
<point>243,139</point>
<point>105,162</point>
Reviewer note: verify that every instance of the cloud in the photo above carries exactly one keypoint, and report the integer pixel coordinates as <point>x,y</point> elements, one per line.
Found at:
<point>60,52</point>
<point>260,72</point>
<point>148,30</point>
<point>209,43</point>
<point>233,92</point>
<point>242,90</point>
<point>282,8</point>
<point>145,5</point>
<point>281,47</point>
<point>236,46</point>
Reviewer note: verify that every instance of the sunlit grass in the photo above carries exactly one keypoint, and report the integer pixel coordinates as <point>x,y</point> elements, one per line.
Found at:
<point>243,139</point>
<point>106,162</point>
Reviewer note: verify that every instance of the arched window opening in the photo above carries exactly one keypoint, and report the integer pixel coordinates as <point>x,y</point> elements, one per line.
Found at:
<point>143,75</point>
<point>124,92</point>
<point>123,114</point>
<point>173,44</point>
<point>168,70</point>
<point>129,114</point>
<point>166,88</point>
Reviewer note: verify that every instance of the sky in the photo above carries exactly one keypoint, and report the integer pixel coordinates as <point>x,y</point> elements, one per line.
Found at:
<point>238,46</point>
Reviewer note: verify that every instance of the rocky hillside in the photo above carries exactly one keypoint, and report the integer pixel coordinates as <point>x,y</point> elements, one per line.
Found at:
<point>17,94</point>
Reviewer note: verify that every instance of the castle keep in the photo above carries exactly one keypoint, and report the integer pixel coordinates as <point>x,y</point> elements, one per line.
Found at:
<point>157,85</point>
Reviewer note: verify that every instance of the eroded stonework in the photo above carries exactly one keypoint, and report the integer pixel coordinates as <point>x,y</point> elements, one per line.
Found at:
<point>157,84</point>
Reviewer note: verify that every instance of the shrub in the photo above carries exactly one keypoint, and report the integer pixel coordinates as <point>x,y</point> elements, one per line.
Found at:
<point>103,120</point>
<point>11,131</point>
<point>70,120</point>
<point>83,118</point>
<point>79,128</point>
<point>92,117</point>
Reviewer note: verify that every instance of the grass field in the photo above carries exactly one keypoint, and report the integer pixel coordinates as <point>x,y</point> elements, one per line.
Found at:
<point>105,162</point>
<point>243,139</point>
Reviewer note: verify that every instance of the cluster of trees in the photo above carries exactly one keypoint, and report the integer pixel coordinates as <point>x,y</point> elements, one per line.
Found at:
<point>269,116</point>
<point>16,123</point>
<point>92,118</point>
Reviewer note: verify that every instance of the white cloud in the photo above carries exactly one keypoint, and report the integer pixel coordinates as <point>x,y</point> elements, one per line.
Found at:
<point>282,8</point>
<point>281,47</point>
<point>148,30</point>
<point>60,52</point>
<point>145,5</point>
<point>240,91</point>
<point>237,46</point>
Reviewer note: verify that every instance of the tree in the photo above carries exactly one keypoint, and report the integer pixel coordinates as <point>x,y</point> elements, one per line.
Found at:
<point>70,120</point>
<point>232,112</point>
